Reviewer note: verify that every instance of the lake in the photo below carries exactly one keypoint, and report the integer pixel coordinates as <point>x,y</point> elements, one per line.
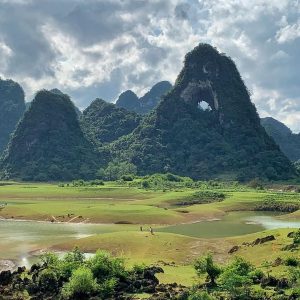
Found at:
<point>232,224</point>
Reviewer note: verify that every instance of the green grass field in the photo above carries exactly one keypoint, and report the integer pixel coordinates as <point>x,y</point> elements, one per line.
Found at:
<point>122,204</point>
<point>113,203</point>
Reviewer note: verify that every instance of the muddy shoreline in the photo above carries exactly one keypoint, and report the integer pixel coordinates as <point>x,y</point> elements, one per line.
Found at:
<point>6,264</point>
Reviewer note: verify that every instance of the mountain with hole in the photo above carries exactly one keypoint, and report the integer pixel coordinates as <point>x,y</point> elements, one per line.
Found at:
<point>205,127</point>
<point>12,107</point>
<point>48,143</point>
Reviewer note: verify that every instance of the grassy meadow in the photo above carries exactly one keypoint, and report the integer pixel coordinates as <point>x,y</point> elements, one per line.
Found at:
<point>125,206</point>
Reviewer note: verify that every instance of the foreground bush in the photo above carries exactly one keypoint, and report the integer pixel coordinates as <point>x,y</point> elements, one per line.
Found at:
<point>81,285</point>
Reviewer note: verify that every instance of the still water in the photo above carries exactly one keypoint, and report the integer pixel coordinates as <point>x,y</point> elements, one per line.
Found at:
<point>232,224</point>
<point>19,239</point>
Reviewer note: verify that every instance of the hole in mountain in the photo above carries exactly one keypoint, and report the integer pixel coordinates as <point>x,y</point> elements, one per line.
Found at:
<point>203,105</point>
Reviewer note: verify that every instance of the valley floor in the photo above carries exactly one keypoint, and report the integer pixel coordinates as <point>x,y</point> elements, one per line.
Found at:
<point>109,217</point>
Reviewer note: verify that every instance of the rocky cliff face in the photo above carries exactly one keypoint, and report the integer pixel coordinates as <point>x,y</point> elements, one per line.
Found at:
<point>288,142</point>
<point>146,103</point>
<point>48,143</point>
<point>12,107</point>
<point>104,122</point>
<point>206,127</point>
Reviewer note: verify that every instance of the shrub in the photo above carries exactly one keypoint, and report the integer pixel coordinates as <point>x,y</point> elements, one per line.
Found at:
<point>291,261</point>
<point>47,281</point>
<point>296,237</point>
<point>200,296</point>
<point>256,275</point>
<point>49,259</point>
<point>105,267</point>
<point>96,182</point>
<point>138,269</point>
<point>106,289</point>
<point>127,177</point>
<point>145,184</point>
<point>81,284</point>
<point>236,278</point>
<point>71,261</point>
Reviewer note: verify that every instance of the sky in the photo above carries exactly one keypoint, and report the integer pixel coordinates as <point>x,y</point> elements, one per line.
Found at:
<point>99,48</point>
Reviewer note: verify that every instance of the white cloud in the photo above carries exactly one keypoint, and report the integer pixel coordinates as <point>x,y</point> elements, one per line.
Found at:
<point>99,48</point>
<point>288,33</point>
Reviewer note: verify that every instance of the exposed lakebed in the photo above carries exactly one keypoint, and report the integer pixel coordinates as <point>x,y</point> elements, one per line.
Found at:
<point>19,239</point>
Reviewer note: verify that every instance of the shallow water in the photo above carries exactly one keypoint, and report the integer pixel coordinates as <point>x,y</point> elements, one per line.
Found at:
<point>18,239</point>
<point>233,224</point>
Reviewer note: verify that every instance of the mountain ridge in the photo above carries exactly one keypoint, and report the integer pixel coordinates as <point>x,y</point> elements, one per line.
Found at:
<point>48,143</point>
<point>12,107</point>
<point>288,141</point>
<point>149,101</point>
<point>227,138</point>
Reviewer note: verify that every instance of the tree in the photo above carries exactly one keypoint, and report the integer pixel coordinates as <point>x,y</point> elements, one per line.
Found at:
<point>236,277</point>
<point>205,265</point>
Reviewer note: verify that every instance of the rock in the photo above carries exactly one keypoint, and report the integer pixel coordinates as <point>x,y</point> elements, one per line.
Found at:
<point>34,268</point>
<point>21,270</point>
<point>234,249</point>
<point>291,234</point>
<point>263,240</point>
<point>283,283</point>
<point>277,262</point>
<point>269,281</point>
<point>5,277</point>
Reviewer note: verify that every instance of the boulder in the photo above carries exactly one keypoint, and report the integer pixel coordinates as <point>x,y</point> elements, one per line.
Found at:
<point>263,240</point>
<point>5,277</point>
<point>234,249</point>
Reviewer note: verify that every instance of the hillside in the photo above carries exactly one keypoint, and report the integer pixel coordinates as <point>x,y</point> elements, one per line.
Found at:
<point>48,143</point>
<point>104,122</point>
<point>130,101</point>
<point>12,107</point>
<point>205,127</point>
<point>288,142</point>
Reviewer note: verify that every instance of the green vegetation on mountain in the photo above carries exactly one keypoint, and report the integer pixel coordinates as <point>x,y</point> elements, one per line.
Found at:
<point>48,143</point>
<point>104,122</point>
<point>12,107</point>
<point>288,142</point>
<point>152,98</point>
<point>59,92</point>
<point>128,100</point>
<point>146,103</point>
<point>205,127</point>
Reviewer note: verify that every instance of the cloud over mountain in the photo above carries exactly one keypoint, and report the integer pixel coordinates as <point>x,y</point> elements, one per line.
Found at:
<point>99,48</point>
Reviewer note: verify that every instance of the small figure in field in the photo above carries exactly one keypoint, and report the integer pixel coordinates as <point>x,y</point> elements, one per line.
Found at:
<point>151,230</point>
<point>141,228</point>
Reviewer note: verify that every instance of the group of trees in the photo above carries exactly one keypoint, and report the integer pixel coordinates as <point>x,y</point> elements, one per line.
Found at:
<point>75,277</point>
<point>102,276</point>
<point>241,280</point>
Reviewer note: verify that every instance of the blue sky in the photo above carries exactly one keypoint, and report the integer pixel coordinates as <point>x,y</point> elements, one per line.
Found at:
<point>97,48</point>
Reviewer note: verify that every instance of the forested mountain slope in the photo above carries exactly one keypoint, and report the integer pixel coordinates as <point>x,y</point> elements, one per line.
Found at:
<point>205,127</point>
